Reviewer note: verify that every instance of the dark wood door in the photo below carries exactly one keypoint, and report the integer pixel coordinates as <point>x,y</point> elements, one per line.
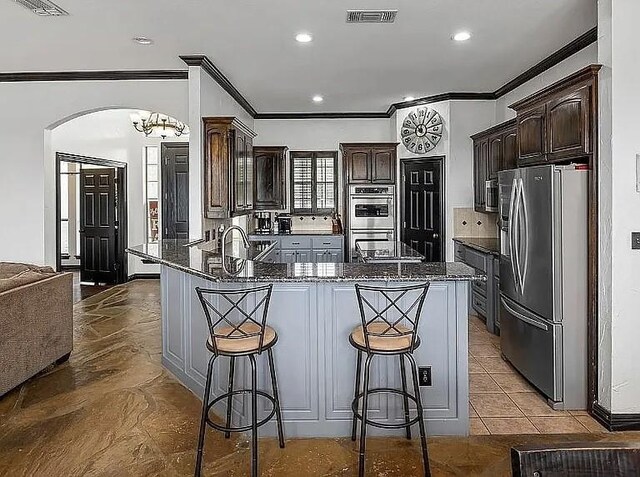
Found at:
<point>421,209</point>
<point>248,173</point>
<point>509,150</point>
<point>358,165</point>
<point>532,136</point>
<point>269,177</point>
<point>383,161</point>
<point>495,156</point>
<point>568,126</point>
<point>98,233</point>
<point>175,190</point>
<point>239,172</point>
<point>480,166</point>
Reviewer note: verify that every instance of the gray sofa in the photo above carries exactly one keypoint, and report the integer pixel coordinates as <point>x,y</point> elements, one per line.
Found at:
<point>36,321</point>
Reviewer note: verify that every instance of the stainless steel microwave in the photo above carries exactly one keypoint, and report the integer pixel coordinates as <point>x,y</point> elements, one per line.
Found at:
<point>491,195</point>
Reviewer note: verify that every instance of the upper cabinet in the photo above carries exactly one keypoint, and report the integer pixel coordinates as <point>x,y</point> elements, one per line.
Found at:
<point>494,150</point>
<point>370,163</point>
<point>228,163</point>
<point>557,123</point>
<point>269,177</point>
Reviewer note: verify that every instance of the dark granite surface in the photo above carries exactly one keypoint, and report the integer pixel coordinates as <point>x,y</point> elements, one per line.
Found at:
<point>377,251</point>
<point>485,245</point>
<point>204,261</point>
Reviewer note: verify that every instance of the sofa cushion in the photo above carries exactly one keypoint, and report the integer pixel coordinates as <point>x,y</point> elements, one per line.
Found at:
<point>14,275</point>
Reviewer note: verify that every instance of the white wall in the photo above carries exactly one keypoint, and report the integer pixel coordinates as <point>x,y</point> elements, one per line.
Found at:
<point>206,98</point>
<point>110,135</point>
<point>27,185</point>
<point>461,119</point>
<point>585,57</point>
<point>619,206</point>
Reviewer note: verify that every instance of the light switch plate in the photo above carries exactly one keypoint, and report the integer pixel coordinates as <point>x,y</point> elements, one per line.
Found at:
<point>635,240</point>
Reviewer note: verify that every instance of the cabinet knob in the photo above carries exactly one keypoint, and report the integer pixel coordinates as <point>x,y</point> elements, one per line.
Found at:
<point>436,235</point>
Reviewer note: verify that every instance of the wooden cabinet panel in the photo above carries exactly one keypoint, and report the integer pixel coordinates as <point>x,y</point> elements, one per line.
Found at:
<point>269,177</point>
<point>509,150</point>
<point>384,165</point>
<point>494,156</point>
<point>480,169</point>
<point>532,136</point>
<point>568,125</point>
<point>228,158</point>
<point>358,164</point>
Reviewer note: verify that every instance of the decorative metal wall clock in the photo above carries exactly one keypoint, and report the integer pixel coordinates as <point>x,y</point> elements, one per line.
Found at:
<point>421,130</point>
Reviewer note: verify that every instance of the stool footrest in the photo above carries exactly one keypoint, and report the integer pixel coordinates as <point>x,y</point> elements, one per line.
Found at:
<point>222,428</point>
<point>400,425</point>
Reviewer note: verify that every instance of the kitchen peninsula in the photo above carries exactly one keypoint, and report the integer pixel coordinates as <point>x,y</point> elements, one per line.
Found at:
<point>313,308</point>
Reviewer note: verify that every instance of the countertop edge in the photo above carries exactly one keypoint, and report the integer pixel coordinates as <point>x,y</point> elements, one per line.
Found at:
<point>465,241</point>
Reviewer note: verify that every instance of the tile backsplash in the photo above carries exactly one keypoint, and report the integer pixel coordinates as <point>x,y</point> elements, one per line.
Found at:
<point>301,223</point>
<point>469,223</point>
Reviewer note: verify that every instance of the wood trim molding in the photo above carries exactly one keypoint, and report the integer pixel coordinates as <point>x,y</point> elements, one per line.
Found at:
<point>616,422</point>
<point>124,75</point>
<point>439,97</point>
<point>144,276</point>
<point>212,70</point>
<point>349,115</point>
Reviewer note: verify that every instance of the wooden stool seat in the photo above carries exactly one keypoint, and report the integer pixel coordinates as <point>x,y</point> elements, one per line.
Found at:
<point>383,338</point>
<point>235,343</point>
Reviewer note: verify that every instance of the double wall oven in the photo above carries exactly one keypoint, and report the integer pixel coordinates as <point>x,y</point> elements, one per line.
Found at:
<point>372,214</point>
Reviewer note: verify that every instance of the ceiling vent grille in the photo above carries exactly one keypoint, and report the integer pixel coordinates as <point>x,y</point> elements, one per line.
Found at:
<point>371,16</point>
<point>43,8</point>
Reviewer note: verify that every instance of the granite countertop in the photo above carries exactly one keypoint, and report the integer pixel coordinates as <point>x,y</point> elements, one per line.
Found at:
<point>203,260</point>
<point>297,232</point>
<point>381,251</point>
<point>484,245</point>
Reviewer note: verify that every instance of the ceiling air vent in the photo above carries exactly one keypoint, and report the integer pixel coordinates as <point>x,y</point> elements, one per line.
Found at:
<point>371,16</point>
<point>43,8</point>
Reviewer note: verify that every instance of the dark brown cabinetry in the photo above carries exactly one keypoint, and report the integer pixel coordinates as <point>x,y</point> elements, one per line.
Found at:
<point>228,163</point>
<point>269,177</point>
<point>369,163</point>
<point>556,124</point>
<point>494,150</point>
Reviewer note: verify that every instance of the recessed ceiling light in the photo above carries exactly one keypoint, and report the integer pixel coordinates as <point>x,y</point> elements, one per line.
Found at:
<point>303,38</point>
<point>317,98</point>
<point>462,36</point>
<point>142,40</point>
<point>408,98</point>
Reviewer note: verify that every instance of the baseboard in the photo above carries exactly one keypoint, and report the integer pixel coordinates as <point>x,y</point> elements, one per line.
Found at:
<point>144,276</point>
<point>616,422</point>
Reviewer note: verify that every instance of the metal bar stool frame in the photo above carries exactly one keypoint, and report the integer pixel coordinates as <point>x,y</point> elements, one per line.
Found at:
<point>235,331</point>
<point>391,329</point>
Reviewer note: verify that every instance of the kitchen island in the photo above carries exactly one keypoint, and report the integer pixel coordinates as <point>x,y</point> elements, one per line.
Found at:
<point>313,308</point>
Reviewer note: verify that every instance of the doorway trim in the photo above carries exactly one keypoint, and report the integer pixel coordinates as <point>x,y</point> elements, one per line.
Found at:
<point>121,188</point>
<point>443,202</point>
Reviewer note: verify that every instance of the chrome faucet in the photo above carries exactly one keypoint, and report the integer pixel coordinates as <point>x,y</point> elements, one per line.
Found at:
<point>243,234</point>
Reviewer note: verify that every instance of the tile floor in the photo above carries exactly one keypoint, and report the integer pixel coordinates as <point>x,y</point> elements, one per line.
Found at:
<point>502,402</point>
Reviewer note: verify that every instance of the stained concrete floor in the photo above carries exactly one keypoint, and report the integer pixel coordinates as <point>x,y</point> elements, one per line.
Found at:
<point>112,410</point>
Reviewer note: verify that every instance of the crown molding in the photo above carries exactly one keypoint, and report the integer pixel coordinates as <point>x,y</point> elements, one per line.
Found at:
<point>212,70</point>
<point>350,115</point>
<point>122,75</point>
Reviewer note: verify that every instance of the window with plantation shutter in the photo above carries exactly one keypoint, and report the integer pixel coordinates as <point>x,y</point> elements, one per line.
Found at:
<point>314,187</point>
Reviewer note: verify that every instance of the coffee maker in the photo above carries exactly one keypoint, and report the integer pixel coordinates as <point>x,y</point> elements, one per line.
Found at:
<point>263,222</point>
<point>284,223</point>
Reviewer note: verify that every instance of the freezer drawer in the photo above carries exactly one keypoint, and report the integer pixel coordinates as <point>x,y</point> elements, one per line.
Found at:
<point>533,346</point>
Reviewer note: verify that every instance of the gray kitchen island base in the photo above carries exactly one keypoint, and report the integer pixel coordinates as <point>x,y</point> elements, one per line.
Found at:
<point>315,362</point>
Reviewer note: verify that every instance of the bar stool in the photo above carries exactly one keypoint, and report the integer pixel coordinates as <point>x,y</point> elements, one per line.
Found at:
<point>389,329</point>
<point>235,332</point>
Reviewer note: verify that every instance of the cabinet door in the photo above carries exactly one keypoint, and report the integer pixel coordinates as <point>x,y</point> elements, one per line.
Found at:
<point>569,131</point>
<point>288,256</point>
<point>509,150</point>
<point>495,156</point>
<point>334,256</point>
<point>358,165</point>
<point>248,172</point>
<point>269,175</point>
<point>319,256</point>
<point>303,256</point>
<point>384,165</point>
<point>239,171</point>
<point>217,162</point>
<point>480,165</point>
<point>532,136</point>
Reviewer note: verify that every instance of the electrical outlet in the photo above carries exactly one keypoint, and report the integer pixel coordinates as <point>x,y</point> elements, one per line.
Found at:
<point>424,375</point>
<point>635,240</point>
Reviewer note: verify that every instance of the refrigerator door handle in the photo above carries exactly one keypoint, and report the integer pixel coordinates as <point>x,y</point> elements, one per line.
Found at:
<point>525,223</point>
<point>517,236</point>
<point>522,317</point>
<point>512,249</point>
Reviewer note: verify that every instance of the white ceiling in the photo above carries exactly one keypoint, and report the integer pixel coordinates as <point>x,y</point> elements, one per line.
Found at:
<point>361,67</point>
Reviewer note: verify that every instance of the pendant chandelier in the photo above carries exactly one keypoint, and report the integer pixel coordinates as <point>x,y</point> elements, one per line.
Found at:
<point>160,125</point>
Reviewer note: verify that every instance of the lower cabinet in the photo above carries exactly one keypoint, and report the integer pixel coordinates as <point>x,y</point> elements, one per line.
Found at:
<point>327,256</point>
<point>306,248</point>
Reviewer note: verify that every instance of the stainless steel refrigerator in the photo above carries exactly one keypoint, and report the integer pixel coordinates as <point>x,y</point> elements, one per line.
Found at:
<point>543,279</point>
